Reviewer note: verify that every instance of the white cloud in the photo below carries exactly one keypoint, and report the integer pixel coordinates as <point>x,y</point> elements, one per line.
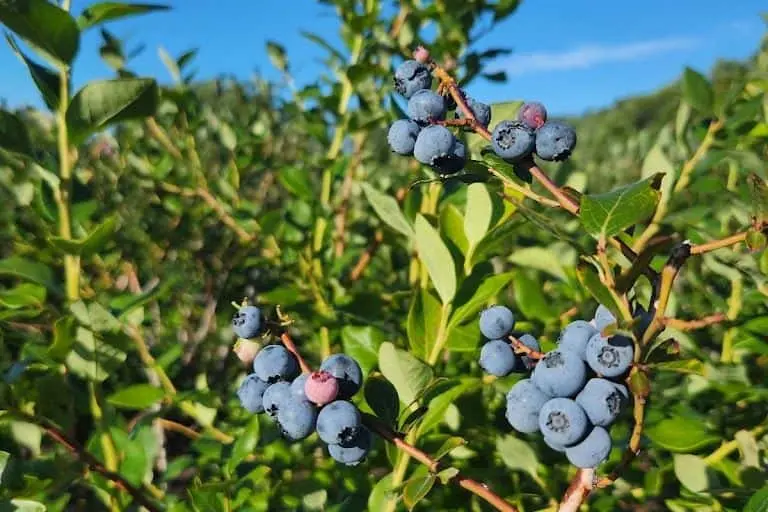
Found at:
<point>590,55</point>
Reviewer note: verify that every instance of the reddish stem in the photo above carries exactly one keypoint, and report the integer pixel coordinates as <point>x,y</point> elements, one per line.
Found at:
<point>288,342</point>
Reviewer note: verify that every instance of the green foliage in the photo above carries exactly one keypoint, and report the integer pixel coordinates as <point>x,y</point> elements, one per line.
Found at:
<point>121,256</point>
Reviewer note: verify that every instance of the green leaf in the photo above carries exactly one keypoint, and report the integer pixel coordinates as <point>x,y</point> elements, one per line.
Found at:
<point>21,505</point>
<point>245,443</point>
<point>277,56</point>
<point>13,134</point>
<point>381,493</point>
<point>104,102</point>
<point>479,212</point>
<point>382,398</point>
<point>552,260</point>
<point>296,181</point>
<point>438,406</point>
<point>517,455</point>
<point>591,281</point>
<point>691,471</point>
<point>686,366</point>
<point>409,375</point>
<point>44,26</point>
<point>437,258</point>
<point>417,489</point>
<point>448,446</point>
<point>89,245</point>
<point>64,331</point>
<point>759,196</point>
<point>362,344</point>
<point>697,91</point>
<point>388,210</point>
<point>656,162</point>
<point>25,295</point>
<point>46,81</point>
<point>423,321</point>
<point>137,396</point>
<point>92,358</point>
<point>758,502</point>
<point>608,214</point>
<point>463,338</point>
<point>103,12</point>
<point>680,434</point>
<point>452,227</point>
<point>470,301</point>
<point>28,270</point>
<point>530,298</point>
<point>4,458</point>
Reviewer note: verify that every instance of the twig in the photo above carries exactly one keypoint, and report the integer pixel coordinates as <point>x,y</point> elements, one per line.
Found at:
<point>90,460</point>
<point>520,348</point>
<point>340,219</point>
<point>288,342</point>
<point>530,194</point>
<point>184,430</point>
<point>690,325</point>
<point>581,485</point>
<point>719,244</point>
<point>433,465</point>
<point>367,256</point>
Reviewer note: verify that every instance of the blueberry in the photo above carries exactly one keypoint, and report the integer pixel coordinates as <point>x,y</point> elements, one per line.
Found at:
<point>339,423</point>
<point>453,162</point>
<point>602,400</point>
<point>275,396</point>
<point>563,421</point>
<point>593,450</point>
<point>644,319</point>
<point>603,318</point>
<point>610,357</point>
<point>555,446</point>
<point>402,136</point>
<point>247,322</point>
<point>425,106</point>
<point>321,388</point>
<point>575,337</point>
<point>353,454</point>
<point>434,143</point>
<point>411,77</point>
<point>555,141</point>
<point>347,373</point>
<point>525,363</point>
<point>524,401</point>
<point>496,322</point>
<point>297,386</point>
<point>512,140</point>
<point>532,114</point>
<point>481,111</point>
<point>297,419</point>
<point>251,393</point>
<point>497,358</point>
<point>560,373</point>
<point>275,363</point>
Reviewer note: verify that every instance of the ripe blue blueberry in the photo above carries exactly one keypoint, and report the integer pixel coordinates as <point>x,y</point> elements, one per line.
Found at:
<point>274,363</point>
<point>524,401</point>
<point>411,77</point>
<point>555,141</point>
<point>602,400</point>
<point>339,423</point>
<point>275,396</point>
<point>575,337</point>
<point>512,140</point>
<point>563,421</point>
<point>496,322</point>
<point>251,393</point>
<point>532,114</point>
<point>353,454</point>
<point>347,373</point>
<point>247,322</point>
<point>592,451</point>
<point>297,386</point>
<point>434,143</point>
<point>497,358</point>
<point>560,373</point>
<point>525,363</point>
<point>555,446</point>
<point>481,111</point>
<point>425,106</point>
<point>402,136</point>
<point>297,419</point>
<point>603,318</point>
<point>610,357</point>
<point>453,162</point>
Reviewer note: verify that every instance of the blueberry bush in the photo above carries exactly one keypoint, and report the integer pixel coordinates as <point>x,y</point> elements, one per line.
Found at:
<point>377,291</point>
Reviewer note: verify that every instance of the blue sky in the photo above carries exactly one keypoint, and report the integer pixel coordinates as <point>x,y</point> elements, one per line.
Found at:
<point>573,56</point>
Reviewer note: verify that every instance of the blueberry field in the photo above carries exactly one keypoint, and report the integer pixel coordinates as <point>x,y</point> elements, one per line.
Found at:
<point>379,291</point>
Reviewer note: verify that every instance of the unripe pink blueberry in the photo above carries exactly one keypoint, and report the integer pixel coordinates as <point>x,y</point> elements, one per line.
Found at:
<point>421,54</point>
<point>246,350</point>
<point>321,387</point>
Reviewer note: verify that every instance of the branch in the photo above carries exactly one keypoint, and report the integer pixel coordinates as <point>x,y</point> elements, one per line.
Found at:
<point>581,485</point>
<point>719,244</point>
<point>367,256</point>
<point>520,348</point>
<point>87,458</point>
<point>691,325</point>
<point>433,465</point>
<point>291,346</point>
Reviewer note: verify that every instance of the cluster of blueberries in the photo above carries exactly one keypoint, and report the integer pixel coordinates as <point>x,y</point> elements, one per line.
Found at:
<point>569,396</point>
<point>302,403</point>
<point>435,145</point>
